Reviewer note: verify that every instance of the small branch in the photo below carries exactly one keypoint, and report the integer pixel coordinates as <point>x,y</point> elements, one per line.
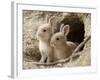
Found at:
<point>79,47</point>
<point>53,63</point>
<point>81,44</point>
<point>69,58</point>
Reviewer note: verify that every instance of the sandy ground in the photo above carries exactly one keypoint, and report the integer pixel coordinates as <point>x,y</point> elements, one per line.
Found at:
<point>31,21</point>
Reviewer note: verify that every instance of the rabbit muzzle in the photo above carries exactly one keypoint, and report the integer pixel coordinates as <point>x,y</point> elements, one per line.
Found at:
<point>52,44</point>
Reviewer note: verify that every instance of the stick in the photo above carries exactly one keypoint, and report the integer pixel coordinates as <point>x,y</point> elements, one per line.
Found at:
<point>53,63</point>
<point>81,44</point>
<point>79,47</point>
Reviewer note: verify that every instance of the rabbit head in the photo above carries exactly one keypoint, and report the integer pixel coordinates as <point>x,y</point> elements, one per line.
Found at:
<point>59,38</point>
<point>44,31</point>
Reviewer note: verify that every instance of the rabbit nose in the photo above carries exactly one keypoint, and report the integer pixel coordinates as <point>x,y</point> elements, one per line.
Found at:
<point>51,43</point>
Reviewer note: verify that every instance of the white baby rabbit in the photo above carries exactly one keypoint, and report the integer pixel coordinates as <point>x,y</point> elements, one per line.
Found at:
<point>62,49</point>
<point>44,34</point>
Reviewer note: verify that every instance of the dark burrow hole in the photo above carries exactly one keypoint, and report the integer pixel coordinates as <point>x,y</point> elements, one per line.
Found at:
<point>77,29</point>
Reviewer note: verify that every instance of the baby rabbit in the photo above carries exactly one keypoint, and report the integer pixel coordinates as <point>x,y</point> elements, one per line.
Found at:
<point>44,34</point>
<point>62,49</point>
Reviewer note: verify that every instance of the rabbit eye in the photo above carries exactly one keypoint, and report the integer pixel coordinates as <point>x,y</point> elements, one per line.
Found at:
<point>57,38</point>
<point>44,30</point>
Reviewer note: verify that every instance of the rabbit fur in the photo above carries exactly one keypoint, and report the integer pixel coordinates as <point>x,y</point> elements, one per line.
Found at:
<point>44,34</point>
<point>62,48</point>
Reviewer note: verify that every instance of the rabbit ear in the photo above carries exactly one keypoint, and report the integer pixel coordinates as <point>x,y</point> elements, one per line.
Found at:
<point>61,27</point>
<point>66,29</point>
<point>47,18</point>
<point>51,20</point>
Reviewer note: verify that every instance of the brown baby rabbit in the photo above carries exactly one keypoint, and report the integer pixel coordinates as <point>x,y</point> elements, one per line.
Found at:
<point>44,34</point>
<point>62,48</point>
